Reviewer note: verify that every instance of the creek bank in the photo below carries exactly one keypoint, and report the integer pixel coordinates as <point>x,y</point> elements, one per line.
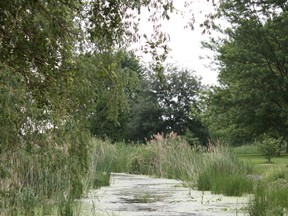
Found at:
<point>139,195</point>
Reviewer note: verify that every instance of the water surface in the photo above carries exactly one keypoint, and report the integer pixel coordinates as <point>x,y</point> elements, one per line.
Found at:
<point>139,195</point>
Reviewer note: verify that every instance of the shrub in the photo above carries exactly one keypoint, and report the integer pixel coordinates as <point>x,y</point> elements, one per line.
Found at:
<point>269,146</point>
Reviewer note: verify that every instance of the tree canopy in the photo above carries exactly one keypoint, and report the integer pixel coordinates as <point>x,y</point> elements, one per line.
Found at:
<point>48,95</point>
<point>252,99</point>
<point>155,105</point>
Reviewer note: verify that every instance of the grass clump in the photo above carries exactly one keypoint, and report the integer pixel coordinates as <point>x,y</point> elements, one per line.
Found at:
<point>144,161</point>
<point>100,179</point>
<point>230,185</point>
<point>271,191</point>
<point>222,173</point>
<point>269,200</point>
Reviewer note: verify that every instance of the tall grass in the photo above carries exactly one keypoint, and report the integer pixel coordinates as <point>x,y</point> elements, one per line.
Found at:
<point>44,183</point>
<point>31,180</point>
<point>271,194</point>
<point>218,170</point>
<point>41,181</point>
<point>170,158</point>
<point>221,172</point>
<point>246,149</point>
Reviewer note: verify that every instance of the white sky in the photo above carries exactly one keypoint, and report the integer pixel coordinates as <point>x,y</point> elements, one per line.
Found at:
<point>185,44</point>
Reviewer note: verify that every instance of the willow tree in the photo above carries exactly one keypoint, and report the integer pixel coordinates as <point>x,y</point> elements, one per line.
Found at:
<point>45,97</point>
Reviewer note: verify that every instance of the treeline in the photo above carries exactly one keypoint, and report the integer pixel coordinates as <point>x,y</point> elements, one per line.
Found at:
<point>248,106</point>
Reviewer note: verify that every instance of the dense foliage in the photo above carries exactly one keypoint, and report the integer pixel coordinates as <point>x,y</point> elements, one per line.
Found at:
<point>48,95</point>
<point>159,103</point>
<point>178,96</point>
<point>64,73</point>
<point>252,97</point>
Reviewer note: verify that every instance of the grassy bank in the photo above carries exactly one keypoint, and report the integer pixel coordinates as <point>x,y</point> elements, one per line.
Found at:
<point>271,191</point>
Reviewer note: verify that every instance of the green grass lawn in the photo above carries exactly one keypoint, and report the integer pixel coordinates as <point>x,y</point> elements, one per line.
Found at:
<point>260,163</point>
<point>250,155</point>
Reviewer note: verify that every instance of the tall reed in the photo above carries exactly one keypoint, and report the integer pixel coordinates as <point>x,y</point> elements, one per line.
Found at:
<point>32,179</point>
<point>218,170</point>
<point>221,172</point>
<point>271,194</point>
<point>41,180</point>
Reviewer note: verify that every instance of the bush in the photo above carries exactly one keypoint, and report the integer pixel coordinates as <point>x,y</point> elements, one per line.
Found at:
<point>269,146</point>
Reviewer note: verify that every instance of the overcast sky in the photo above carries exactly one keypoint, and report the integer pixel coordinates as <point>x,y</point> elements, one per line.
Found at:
<point>185,44</point>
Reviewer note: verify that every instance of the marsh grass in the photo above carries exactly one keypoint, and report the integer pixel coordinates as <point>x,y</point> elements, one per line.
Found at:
<point>42,184</point>
<point>269,199</point>
<point>232,185</point>
<point>221,172</point>
<point>45,181</point>
<point>32,179</point>
<point>169,158</point>
<point>218,170</point>
<point>101,179</point>
<point>271,192</point>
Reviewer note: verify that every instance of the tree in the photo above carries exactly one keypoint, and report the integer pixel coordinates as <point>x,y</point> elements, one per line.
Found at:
<point>154,106</point>
<point>269,146</point>
<point>39,41</point>
<point>252,99</point>
<point>114,79</point>
<point>136,115</point>
<point>177,96</point>
<point>145,118</point>
<point>46,96</point>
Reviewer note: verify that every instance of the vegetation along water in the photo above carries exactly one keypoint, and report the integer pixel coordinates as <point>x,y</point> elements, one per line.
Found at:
<point>77,103</point>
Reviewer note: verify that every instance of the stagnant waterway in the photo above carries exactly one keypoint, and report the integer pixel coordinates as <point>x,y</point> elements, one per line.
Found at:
<point>135,195</point>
